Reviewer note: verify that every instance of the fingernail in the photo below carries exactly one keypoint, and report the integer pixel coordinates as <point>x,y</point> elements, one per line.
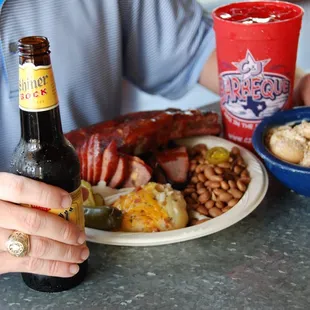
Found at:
<point>82,238</point>
<point>85,254</point>
<point>74,269</point>
<point>66,202</point>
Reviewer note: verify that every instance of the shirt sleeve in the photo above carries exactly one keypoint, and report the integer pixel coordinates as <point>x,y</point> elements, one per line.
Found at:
<point>165,44</point>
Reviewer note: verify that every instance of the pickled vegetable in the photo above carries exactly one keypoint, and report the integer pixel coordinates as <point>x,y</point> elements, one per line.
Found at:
<point>98,199</point>
<point>103,217</point>
<point>217,155</point>
<point>88,197</point>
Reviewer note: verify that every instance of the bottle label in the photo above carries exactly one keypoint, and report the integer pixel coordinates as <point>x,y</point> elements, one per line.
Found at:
<point>37,89</point>
<point>74,214</point>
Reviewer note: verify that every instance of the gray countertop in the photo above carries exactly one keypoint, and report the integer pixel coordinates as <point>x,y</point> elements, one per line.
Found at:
<point>262,262</point>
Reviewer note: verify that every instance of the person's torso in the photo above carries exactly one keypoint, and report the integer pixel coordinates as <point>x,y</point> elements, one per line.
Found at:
<point>85,41</point>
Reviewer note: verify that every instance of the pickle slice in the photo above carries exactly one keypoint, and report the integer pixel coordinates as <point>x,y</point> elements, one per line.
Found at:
<point>103,217</point>
<point>217,155</point>
<point>98,199</point>
<point>88,197</point>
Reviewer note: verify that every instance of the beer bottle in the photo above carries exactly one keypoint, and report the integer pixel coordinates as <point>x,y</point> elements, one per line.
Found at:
<point>43,153</point>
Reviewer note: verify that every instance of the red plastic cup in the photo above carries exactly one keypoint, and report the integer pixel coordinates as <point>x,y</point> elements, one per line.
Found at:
<point>256,62</point>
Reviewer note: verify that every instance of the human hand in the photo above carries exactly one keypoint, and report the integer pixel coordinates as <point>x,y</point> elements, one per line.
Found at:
<point>56,245</point>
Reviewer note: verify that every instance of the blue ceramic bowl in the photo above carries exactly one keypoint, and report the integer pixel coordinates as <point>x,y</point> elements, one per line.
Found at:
<point>292,176</point>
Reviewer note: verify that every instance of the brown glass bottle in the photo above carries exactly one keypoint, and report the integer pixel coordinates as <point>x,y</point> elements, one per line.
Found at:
<point>43,153</point>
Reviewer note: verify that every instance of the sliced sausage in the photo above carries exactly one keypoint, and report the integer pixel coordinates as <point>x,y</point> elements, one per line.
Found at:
<point>120,174</point>
<point>159,175</point>
<point>175,163</point>
<point>98,156</point>
<point>109,162</point>
<point>90,159</point>
<point>139,173</point>
<point>83,160</point>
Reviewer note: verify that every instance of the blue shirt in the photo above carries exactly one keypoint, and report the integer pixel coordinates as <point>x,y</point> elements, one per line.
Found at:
<point>158,45</point>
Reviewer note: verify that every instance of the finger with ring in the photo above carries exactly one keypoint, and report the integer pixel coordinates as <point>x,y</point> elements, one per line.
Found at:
<point>43,248</point>
<point>18,244</point>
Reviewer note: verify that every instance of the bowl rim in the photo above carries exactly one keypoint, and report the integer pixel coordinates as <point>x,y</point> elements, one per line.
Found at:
<point>269,122</point>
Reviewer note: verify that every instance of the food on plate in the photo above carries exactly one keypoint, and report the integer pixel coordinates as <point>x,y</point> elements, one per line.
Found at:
<point>212,180</point>
<point>291,143</point>
<point>103,217</point>
<point>88,196</point>
<point>120,172</point>
<point>217,155</point>
<point>108,151</point>
<point>175,164</point>
<point>214,188</point>
<point>153,207</point>
<point>139,173</point>
<point>110,158</point>
<point>107,195</point>
<point>170,165</point>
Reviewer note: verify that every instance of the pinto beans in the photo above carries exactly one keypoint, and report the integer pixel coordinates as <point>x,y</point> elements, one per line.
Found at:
<point>225,197</point>
<point>202,210</point>
<point>203,198</point>
<point>214,184</point>
<point>219,191</point>
<point>224,210</point>
<point>195,180</point>
<point>216,178</point>
<point>189,190</point>
<point>218,170</point>
<point>209,172</point>
<point>214,212</point>
<point>232,202</point>
<point>236,193</point>
<point>225,165</point>
<point>209,204</point>
<point>199,186</point>
<point>201,191</point>
<point>215,189</point>
<point>241,186</point>
<point>225,185</point>
<point>220,204</point>
<point>232,184</point>
<point>237,169</point>
<point>201,177</point>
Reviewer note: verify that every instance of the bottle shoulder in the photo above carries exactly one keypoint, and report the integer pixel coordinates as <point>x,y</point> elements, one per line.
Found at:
<point>56,164</point>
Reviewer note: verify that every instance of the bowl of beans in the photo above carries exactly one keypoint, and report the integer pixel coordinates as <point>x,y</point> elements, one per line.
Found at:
<point>283,142</point>
<point>218,180</point>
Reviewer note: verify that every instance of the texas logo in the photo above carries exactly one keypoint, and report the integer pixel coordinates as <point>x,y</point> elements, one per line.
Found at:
<point>249,93</point>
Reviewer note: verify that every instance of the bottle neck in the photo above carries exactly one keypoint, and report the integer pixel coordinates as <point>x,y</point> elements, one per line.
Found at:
<point>43,126</point>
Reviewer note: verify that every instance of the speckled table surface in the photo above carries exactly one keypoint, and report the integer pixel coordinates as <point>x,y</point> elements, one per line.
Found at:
<point>262,262</point>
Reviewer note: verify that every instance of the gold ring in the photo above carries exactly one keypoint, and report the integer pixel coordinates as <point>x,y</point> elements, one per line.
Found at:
<point>18,244</point>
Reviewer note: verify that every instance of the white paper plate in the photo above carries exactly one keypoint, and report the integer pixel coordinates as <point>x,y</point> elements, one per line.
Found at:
<point>251,199</point>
